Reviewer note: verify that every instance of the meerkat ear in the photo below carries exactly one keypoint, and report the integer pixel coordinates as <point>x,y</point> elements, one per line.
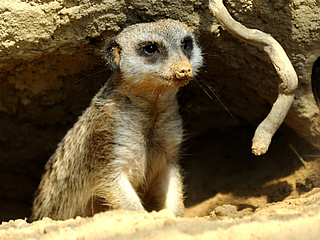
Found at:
<point>112,54</point>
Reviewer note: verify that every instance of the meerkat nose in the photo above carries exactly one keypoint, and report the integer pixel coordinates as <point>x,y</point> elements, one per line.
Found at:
<point>183,70</point>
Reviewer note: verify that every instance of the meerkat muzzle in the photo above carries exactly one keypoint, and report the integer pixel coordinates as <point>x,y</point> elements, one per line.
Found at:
<point>182,72</point>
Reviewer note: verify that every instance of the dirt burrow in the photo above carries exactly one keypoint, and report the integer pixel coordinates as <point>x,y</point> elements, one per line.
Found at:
<point>51,67</point>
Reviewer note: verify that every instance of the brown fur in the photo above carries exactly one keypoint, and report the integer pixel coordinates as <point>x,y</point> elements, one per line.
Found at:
<point>123,151</point>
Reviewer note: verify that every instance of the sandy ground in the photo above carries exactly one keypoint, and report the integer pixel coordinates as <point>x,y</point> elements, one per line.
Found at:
<point>290,219</point>
<point>229,195</point>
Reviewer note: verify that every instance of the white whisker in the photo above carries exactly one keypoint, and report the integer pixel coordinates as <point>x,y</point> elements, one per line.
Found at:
<point>90,75</point>
<point>213,91</point>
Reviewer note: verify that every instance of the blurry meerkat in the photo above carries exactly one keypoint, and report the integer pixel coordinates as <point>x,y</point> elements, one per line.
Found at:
<point>123,152</point>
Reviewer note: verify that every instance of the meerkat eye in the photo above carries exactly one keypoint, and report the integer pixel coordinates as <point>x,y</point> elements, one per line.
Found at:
<point>150,48</point>
<point>152,52</point>
<point>187,44</point>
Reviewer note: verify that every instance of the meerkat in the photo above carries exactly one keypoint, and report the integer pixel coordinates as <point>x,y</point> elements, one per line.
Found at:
<point>123,151</point>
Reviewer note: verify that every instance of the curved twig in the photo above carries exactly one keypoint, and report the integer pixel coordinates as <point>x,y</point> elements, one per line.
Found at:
<point>282,64</point>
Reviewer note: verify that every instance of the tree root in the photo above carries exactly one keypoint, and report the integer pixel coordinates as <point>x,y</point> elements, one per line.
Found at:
<point>282,64</point>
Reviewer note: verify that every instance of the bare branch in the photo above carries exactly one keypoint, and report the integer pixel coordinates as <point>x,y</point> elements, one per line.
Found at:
<point>282,64</point>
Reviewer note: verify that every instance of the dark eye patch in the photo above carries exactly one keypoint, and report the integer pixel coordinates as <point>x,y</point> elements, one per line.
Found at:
<point>187,46</point>
<point>152,51</point>
<point>150,48</point>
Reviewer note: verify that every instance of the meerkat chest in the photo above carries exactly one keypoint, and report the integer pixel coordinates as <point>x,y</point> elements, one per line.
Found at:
<point>148,140</point>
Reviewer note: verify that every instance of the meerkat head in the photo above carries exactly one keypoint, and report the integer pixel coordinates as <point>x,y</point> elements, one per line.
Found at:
<point>163,53</point>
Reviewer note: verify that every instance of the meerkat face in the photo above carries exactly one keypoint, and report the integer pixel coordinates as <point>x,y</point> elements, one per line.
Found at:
<point>163,53</point>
